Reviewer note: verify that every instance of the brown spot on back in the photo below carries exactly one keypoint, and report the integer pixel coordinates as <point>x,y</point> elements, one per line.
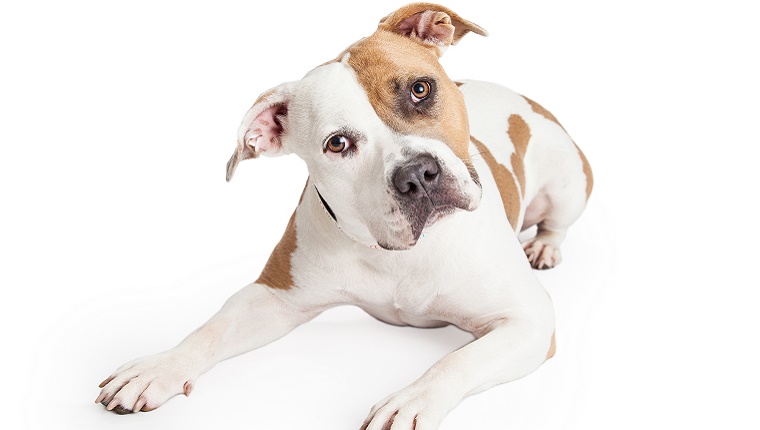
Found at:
<point>587,172</point>
<point>537,108</point>
<point>386,64</point>
<point>505,182</point>
<point>519,134</point>
<point>586,166</point>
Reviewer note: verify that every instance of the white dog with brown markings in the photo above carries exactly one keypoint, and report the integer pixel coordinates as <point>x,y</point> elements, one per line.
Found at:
<point>418,187</point>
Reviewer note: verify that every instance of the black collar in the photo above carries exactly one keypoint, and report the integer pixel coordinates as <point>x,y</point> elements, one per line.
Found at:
<point>330,212</point>
<point>324,203</point>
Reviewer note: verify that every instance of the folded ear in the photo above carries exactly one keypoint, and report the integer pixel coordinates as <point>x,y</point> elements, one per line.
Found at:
<point>262,128</point>
<point>429,24</point>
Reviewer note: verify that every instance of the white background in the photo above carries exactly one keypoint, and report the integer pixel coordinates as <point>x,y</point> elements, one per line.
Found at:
<point>119,235</point>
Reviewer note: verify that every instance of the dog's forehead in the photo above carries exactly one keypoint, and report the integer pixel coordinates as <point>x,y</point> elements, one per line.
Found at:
<point>329,97</point>
<point>386,64</point>
<point>386,54</point>
<point>384,61</point>
<point>369,83</point>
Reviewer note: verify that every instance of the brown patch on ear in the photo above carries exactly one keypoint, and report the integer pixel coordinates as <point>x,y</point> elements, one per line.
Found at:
<point>232,164</point>
<point>440,26</point>
<point>239,155</point>
<point>265,95</point>
<point>276,273</point>
<point>505,181</point>
<point>552,347</point>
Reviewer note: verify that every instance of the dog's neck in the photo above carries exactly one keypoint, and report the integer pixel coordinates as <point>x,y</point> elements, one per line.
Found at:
<point>328,210</point>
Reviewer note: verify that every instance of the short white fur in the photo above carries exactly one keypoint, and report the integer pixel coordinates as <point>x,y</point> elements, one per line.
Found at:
<point>470,270</point>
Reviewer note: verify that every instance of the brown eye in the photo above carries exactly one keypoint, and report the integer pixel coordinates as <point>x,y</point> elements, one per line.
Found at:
<point>420,91</point>
<point>338,143</point>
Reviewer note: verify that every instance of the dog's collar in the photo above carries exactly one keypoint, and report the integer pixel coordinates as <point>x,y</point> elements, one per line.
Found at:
<point>325,206</point>
<point>328,210</point>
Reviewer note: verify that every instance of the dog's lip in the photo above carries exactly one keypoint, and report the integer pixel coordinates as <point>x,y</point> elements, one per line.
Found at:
<point>435,216</point>
<point>439,213</point>
<point>398,225</point>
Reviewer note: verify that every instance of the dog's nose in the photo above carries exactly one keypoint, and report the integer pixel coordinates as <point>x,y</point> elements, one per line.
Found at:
<point>417,178</point>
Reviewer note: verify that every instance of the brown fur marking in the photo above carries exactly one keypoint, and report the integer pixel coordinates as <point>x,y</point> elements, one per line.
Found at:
<point>518,168</point>
<point>587,172</point>
<point>461,26</point>
<point>537,108</point>
<point>385,64</point>
<point>505,181</point>
<point>265,96</point>
<point>552,347</point>
<point>586,166</point>
<point>519,134</point>
<point>276,273</point>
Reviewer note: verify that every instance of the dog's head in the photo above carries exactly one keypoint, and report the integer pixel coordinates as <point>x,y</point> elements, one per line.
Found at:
<point>382,129</point>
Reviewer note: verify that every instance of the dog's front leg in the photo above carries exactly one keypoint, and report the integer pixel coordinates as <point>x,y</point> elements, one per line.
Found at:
<point>506,350</point>
<point>251,318</point>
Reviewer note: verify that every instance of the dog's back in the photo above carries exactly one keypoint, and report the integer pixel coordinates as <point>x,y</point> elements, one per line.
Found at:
<point>543,178</point>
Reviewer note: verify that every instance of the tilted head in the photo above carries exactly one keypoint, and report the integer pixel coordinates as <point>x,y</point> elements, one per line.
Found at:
<point>382,129</point>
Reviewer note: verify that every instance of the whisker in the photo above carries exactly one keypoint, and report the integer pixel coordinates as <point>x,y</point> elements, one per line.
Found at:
<point>481,153</point>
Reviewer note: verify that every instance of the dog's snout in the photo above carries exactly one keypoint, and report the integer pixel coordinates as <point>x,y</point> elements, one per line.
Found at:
<point>417,178</point>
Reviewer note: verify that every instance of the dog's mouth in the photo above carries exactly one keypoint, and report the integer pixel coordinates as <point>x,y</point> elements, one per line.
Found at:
<point>421,193</point>
<point>438,214</point>
<point>415,228</point>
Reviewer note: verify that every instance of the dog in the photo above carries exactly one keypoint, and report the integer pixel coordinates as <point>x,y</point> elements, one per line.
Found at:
<point>418,188</point>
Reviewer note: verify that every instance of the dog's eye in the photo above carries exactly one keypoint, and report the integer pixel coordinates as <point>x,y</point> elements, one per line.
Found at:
<point>337,143</point>
<point>420,91</point>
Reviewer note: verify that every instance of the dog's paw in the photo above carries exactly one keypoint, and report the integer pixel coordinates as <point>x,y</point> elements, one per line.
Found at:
<point>413,408</point>
<point>542,255</point>
<point>145,384</point>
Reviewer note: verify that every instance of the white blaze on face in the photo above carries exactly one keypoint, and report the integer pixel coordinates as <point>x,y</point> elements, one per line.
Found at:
<point>329,101</point>
<point>356,183</point>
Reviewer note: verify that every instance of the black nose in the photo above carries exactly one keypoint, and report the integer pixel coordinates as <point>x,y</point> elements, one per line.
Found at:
<point>418,178</point>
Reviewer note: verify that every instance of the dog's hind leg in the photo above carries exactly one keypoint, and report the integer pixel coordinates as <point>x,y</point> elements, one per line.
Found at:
<point>558,203</point>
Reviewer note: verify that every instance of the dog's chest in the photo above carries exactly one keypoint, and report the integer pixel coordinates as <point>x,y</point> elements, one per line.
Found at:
<point>399,294</point>
<point>429,286</point>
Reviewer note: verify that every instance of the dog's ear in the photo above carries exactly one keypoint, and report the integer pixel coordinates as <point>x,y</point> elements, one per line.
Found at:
<point>262,128</point>
<point>429,24</point>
